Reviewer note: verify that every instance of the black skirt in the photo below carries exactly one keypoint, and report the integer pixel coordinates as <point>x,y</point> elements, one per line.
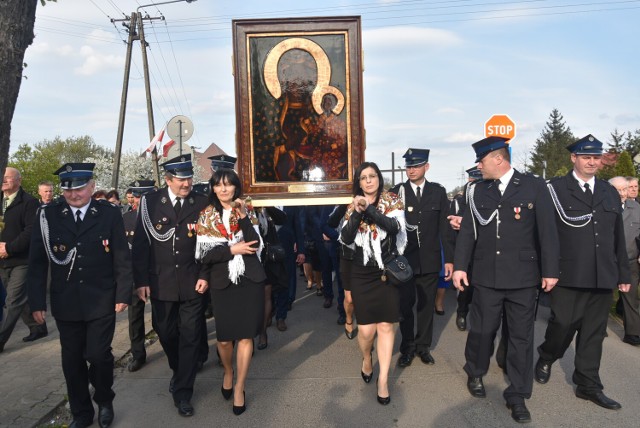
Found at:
<point>374,301</point>
<point>345,273</point>
<point>238,310</point>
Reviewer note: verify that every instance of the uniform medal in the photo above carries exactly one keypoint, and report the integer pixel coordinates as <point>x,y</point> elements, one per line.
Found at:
<point>62,248</point>
<point>192,229</point>
<point>105,243</point>
<point>517,211</point>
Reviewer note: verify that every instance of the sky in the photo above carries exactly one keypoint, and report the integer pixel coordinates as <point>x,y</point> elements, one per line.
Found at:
<point>434,72</point>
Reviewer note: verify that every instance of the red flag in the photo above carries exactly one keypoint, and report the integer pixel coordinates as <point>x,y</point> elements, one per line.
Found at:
<point>154,142</point>
<point>166,147</point>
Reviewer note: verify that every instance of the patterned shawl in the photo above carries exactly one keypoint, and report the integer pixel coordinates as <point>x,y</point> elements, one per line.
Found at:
<point>370,236</point>
<point>212,232</point>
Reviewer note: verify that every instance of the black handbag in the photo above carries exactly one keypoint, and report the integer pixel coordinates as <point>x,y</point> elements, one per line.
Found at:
<point>274,253</point>
<point>397,270</point>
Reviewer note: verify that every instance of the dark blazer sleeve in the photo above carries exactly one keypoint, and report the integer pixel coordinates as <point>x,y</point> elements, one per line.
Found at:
<point>140,254</point>
<point>336,215</point>
<point>122,266</point>
<point>299,225</point>
<point>21,242</point>
<point>278,216</point>
<point>447,237</point>
<point>624,274</point>
<point>37,272</point>
<point>248,232</point>
<point>465,243</point>
<point>547,232</point>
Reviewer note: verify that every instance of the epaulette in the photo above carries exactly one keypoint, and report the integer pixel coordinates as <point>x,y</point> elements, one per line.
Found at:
<point>552,179</point>
<point>56,202</point>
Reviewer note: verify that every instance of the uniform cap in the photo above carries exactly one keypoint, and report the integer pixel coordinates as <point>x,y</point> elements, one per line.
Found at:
<point>75,175</point>
<point>474,173</point>
<point>180,166</point>
<point>415,157</point>
<point>488,145</point>
<point>588,145</point>
<point>142,186</point>
<point>222,161</point>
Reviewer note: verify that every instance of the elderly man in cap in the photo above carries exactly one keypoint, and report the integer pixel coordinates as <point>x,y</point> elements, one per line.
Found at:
<point>83,242</point>
<point>426,210</point>
<point>135,313</point>
<point>593,261</point>
<point>17,214</point>
<point>165,269</point>
<point>508,243</point>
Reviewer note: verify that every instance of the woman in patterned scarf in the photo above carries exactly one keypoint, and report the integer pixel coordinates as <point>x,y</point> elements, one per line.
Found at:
<point>228,242</point>
<point>375,228</point>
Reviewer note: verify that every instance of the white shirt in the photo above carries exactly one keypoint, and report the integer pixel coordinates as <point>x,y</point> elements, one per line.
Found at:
<point>504,180</point>
<point>83,211</point>
<point>415,187</point>
<point>581,182</point>
<point>172,197</point>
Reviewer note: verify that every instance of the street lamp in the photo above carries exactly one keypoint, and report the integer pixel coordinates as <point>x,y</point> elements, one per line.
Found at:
<point>164,2</point>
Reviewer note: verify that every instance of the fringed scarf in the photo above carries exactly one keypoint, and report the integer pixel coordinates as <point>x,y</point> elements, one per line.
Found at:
<point>214,229</point>
<point>370,236</point>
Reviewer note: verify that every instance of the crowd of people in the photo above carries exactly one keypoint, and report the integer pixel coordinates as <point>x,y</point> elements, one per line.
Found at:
<point>191,250</point>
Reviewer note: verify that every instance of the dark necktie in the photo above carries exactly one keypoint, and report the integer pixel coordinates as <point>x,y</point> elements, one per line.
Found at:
<point>177,207</point>
<point>587,190</point>
<point>78,219</point>
<point>418,194</point>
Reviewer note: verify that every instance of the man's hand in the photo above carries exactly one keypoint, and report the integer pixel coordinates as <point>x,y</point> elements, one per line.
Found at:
<point>549,283</point>
<point>454,221</point>
<point>39,316</point>
<point>624,287</point>
<point>448,271</point>
<point>143,293</point>
<point>121,307</point>
<point>460,280</point>
<point>3,250</point>
<point>202,285</point>
<point>300,259</point>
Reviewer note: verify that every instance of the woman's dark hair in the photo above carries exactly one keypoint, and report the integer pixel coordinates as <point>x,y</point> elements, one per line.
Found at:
<point>220,176</point>
<point>357,190</point>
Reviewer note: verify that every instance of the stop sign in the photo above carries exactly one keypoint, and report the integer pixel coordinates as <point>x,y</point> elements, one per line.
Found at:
<point>500,125</point>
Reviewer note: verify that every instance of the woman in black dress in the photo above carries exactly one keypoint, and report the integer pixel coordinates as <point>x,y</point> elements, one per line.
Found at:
<point>374,227</point>
<point>227,245</point>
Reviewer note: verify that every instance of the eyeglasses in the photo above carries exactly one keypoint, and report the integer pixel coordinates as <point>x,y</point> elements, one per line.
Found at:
<point>371,177</point>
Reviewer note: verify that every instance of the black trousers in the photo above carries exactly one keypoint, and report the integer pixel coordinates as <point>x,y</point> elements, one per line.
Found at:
<point>179,327</point>
<point>420,291</point>
<point>485,318</point>
<point>85,342</point>
<point>585,312</point>
<point>630,303</point>
<point>137,332</point>
<point>464,300</point>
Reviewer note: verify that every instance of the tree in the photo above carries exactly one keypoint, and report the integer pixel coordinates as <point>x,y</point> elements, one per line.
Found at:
<point>617,144</point>
<point>625,167</point>
<point>551,147</point>
<point>132,168</point>
<point>38,163</point>
<point>632,145</point>
<point>17,18</point>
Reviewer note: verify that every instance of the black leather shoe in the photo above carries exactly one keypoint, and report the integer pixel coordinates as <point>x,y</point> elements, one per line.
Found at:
<point>226,393</point>
<point>172,384</point>
<point>281,325</point>
<point>184,408</point>
<point>351,334</point>
<point>105,415</point>
<point>208,313</point>
<point>328,301</point>
<point>461,323</point>
<point>426,358</point>
<point>519,413</point>
<point>384,400</point>
<point>631,340</point>
<point>35,335</point>
<point>366,377</point>
<point>599,398</point>
<point>405,360</point>
<point>476,387</point>
<point>542,372</point>
<point>238,410</point>
<point>438,312</point>
<point>79,424</point>
<point>263,344</point>
<point>135,364</point>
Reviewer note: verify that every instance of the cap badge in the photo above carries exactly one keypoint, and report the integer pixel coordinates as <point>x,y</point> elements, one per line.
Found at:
<point>69,168</point>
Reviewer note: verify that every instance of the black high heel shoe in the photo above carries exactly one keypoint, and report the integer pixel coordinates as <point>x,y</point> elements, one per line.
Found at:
<point>367,377</point>
<point>351,334</point>
<point>227,393</point>
<point>238,410</point>
<point>382,400</point>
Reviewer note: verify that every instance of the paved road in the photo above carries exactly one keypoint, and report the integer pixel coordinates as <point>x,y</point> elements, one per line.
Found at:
<point>310,376</point>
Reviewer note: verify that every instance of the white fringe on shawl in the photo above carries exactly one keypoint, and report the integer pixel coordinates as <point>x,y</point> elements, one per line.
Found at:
<point>207,242</point>
<point>371,247</point>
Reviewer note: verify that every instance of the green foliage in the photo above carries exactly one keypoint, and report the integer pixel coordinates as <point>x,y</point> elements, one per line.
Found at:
<point>625,167</point>
<point>561,172</point>
<point>550,147</point>
<point>607,172</point>
<point>38,163</point>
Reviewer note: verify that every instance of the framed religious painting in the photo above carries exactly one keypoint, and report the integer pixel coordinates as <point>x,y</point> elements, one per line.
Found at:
<point>300,131</point>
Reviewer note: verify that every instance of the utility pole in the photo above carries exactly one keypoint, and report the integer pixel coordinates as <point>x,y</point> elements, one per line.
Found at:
<point>137,21</point>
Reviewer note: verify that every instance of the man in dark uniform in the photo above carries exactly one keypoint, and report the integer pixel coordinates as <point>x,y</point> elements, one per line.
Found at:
<point>165,269</point>
<point>135,312</point>
<point>509,238</point>
<point>83,242</point>
<point>458,206</point>
<point>426,209</point>
<point>593,261</point>
<point>17,214</point>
